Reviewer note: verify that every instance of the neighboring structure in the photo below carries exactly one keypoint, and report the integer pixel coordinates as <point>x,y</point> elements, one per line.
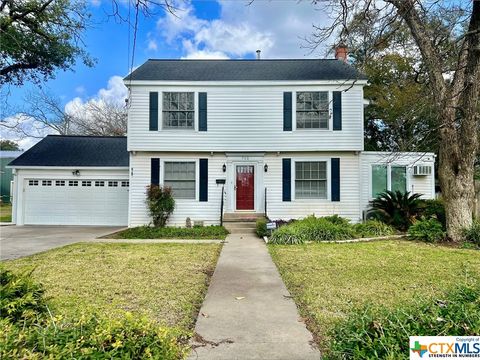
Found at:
<point>6,175</point>
<point>72,180</point>
<point>282,137</point>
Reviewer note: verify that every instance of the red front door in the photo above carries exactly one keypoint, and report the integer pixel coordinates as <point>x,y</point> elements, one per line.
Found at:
<point>245,187</point>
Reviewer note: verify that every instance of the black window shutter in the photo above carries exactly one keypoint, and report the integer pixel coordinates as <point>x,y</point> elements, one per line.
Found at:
<point>337,110</point>
<point>202,111</point>
<point>287,111</point>
<point>153,124</point>
<point>286,180</point>
<point>335,163</point>
<point>203,179</point>
<point>155,171</point>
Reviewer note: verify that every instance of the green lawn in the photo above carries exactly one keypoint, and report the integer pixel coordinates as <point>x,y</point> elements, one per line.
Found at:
<point>166,282</point>
<point>328,280</point>
<point>196,233</point>
<point>5,212</point>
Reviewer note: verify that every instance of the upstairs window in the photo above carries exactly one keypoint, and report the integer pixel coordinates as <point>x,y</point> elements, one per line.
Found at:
<point>178,110</point>
<point>311,180</point>
<point>312,110</point>
<point>180,176</point>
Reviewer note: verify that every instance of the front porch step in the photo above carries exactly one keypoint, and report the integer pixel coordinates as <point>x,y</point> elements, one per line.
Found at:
<point>242,217</point>
<point>240,227</point>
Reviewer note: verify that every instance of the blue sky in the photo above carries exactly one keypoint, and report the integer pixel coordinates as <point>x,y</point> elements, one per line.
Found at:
<point>200,29</point>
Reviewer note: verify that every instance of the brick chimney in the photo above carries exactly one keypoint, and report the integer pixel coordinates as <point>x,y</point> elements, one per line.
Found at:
<point>341,52</point>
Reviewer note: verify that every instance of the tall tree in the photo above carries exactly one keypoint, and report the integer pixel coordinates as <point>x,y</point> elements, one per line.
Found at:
<point>451,66</point>
<point>9,145</point>
<point>40,37</point>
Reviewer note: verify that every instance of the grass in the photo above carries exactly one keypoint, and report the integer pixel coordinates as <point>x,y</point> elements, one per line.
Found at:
<point>327,281</point>
<point>166,282</point>
<point>5,212</point>
<point>146,232</point>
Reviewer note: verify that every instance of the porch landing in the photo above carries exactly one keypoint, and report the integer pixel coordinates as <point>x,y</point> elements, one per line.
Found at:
<point>248,312</point>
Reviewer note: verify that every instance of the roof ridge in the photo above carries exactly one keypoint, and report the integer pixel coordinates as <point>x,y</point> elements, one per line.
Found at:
<point>253,60</point>
<point>88,136</point>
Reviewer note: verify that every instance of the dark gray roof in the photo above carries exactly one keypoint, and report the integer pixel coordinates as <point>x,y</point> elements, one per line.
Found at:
<point>61,150</point>
<point>238,70</point>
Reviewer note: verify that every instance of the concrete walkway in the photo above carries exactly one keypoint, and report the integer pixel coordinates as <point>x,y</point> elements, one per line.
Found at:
<point>248,313</point>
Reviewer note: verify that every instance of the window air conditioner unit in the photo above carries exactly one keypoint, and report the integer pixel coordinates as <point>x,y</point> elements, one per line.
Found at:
<point>422,170</point>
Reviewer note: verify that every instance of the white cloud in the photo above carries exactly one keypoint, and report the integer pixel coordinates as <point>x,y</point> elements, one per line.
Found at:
<point>275,27</point>
<point>80,89</point>
<point>152,45</point>
<point>35,130</point>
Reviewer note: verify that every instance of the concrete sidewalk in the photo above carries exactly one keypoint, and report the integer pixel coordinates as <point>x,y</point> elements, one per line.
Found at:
<point>247,313</point>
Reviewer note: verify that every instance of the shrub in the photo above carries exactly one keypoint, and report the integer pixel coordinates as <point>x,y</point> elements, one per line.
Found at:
<point>429,230</point>
<point>160,204</point>
<point>396,208</point>
<point>21,298</point>
<point>337,220</point>
<point>196,232</point>
<point>472,234</point>
<point>261,227</point>
<point>287,235</point>
<point>434,209</point>
<point>384,334</point>
<point>372,228</point>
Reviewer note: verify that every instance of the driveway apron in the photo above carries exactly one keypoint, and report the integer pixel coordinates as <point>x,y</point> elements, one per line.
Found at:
<point>248,312</point>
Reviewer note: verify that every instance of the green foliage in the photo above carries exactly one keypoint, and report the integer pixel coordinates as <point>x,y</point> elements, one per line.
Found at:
<point>472,234</point>
<point>372,228</point>
<point>40,37</point>
<point>8,145</point>
<point>337,220</point>
<point>261,227</point>
<point>197,232</point>
<point>47,336</point>
<point>429,230</point>
<point>312,229</point>
<point>383,334</point>
<point>160,203</point>
<point>434,209</point>
<point>21,299</point>
<point>396,208</point>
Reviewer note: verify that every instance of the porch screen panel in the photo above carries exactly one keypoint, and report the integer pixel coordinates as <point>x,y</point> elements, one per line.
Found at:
<point>379,179</point>
<point>399,178</point>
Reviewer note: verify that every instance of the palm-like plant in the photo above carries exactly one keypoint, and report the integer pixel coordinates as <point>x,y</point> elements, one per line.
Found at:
<point>396,208</point>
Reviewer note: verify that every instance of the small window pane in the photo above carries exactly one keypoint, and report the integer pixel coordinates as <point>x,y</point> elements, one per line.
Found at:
<point>399,178</point>
<point>86,183</point>
<point>33,182</point>
<point>180,176</point>
<point>125,183</point>
<point>379,179</point>
<point>99,183</point>
<point>60,183</point>
<point>73,183</point>
<point>46,182</point>
<point>113,183</point>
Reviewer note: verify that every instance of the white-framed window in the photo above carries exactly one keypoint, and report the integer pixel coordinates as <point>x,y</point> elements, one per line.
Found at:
<point>178,110</point>
<point>113,183</point>
<point>388,177</point>
<point>33,182</point>
<point>312,110</point>
<point>181,177</point>
<point>59,182</point>
<point>99,183</point>
<point>125,183</point>
<point>86,183</point>
<point>46,182</point>
<point>311,180</point>
<point>73,183</point>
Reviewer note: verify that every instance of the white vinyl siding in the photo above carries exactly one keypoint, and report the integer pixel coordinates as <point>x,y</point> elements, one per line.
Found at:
<point>312,110</point>
<point>246,119</point>
<point>310,179</point>
<point>178,110</point>
<point>180,176</point>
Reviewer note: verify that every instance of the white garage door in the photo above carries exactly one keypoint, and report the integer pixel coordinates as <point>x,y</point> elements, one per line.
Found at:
<point>76,202</point>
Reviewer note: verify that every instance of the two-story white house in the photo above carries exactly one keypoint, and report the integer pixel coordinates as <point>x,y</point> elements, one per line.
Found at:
<point>276,137</point>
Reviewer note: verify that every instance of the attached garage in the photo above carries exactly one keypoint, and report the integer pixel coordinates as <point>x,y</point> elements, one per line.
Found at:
<point>72,180</point>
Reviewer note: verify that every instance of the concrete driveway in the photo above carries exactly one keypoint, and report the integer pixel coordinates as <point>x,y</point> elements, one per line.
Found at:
<point>19,241</point>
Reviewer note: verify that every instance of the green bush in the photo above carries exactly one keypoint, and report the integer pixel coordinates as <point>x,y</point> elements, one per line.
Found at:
<point>312,229</point>
<point>196,232</point>
<point>261,227</point>
<point>429,230</point>
<point>372,228</point>
<point>29,331</point>
<point>434,209</point>
<point>384,334</point>
<point>396,208</point>
<point>472,234</point>
<point>337,220</point>
<point>21,299</point>
<point>160,204</point>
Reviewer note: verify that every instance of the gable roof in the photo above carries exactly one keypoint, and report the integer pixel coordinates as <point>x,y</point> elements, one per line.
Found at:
<point>241,70</point>
<point>76,151</point>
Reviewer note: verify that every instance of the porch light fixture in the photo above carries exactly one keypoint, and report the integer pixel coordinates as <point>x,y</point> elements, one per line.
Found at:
<point>76,172</point>
<point>265,168</point>
<point>224,168</point>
